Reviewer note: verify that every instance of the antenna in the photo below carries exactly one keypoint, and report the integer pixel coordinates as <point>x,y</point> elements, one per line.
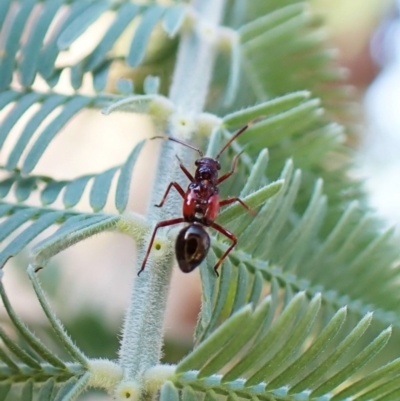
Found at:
<point>237,134</point>
<point>170,138</point>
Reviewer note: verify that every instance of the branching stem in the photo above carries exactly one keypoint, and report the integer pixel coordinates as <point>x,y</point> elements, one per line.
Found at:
<point>142,332</point>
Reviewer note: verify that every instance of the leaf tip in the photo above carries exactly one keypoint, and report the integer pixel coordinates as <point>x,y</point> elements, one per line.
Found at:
<point>388,331</point>
<point>317,297</point>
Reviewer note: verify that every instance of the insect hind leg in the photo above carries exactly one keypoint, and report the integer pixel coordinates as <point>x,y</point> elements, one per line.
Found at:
<point>229,235</point>
<point>164,223</point>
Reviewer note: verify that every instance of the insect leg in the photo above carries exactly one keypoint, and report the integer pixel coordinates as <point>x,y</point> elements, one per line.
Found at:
<point>164,223</point>
<point>233,200</point>
<point>228,234</point>
<point>177,187</point>
<point>232,170</point>
<point>185,170</point>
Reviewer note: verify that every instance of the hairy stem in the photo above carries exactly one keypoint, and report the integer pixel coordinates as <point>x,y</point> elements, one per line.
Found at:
<point>142,332</point>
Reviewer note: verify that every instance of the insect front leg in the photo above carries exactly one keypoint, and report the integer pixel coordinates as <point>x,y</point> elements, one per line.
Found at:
<point>232,170</point>
<point>233,200</point>
<point>177,187</point>
<point>164,223</point>
<point>229,235</point>
<point>185,170</point>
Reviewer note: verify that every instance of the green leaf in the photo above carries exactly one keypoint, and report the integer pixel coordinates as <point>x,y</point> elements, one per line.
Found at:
<point>241,288</point>
<point>386,372</point>
<point>188,394</point>
<point>5,209</point>
<point>18,110</point>
<point>11,41</point>
<point>273,35</point>
<point>56,325</point>
<point>218,339</point>
<point>50,51</point>
<point>211,396</point>
<point>151,85</point>
<point>14,368</point>
<point>256,290</point>
<point>65,389</point>
<point>81,23</point>
<point>234,73</point>
<point>265,109</point>
<point>22,355</point>
<point>100,76</point>
<point>173,19</point>
<point>125,86</point>
<point>4,8</point>
<point>298,335</point>
<point>311,379</point>
<point>8,96</point>
<point>274,299</point>
<point>149,20</point>
<point>75,229</point>
<point>77,76</point>
<point>27,391</point>
<point>51,191</point>
<point>273,214</point>
<point>237,343</point>
<point>257,174</point>
<point>221,299</point>
<point>30,54</point>
<point>317,348</point>
<point>29,337</point>
<point>48,105</point>
<point>4,387</point>
<point>24,188</point>
<point>74,392</point>
<point>169,392</point>
<point>123,186</point>
<point>28,235</point>
<point>269,21</point>
<point>126,13</point>
<point>46,391</point>
<point>100,189</point>
<point>357,363</point>
<point>253,200</point>
<point>15,221</point>
<point>209,284</point>
<point>5,186</point>
<point>70,108</point>
<point>276,332</point>
<point>74,191</point>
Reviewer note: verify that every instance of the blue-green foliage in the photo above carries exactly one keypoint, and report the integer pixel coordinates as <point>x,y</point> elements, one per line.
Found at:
<point>39,53</point>
<point>36,363</point>
<point>327,260</point>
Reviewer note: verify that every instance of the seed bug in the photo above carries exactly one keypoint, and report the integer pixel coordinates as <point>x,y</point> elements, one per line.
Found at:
<point>201,205</point>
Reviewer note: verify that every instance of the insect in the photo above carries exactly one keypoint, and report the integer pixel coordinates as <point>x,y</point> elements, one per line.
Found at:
<point>201,204</point>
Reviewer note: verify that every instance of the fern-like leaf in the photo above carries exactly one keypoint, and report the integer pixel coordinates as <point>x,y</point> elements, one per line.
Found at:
<point>38,56</point>
<point>58,379</point>
<point>294,357</point>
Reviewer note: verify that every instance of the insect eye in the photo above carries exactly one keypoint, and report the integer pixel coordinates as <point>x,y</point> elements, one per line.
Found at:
<point>196,162</point>
<point>218,166</point>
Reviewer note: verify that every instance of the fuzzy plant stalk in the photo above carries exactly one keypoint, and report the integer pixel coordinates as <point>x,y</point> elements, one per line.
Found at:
<point>142,335</point>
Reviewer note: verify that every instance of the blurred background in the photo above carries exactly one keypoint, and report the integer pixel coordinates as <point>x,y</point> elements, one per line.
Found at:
<point>89,285</point>
<point>367,36</point>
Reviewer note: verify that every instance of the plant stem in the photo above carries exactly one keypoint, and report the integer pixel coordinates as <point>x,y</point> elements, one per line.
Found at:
<point>142,331</point>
